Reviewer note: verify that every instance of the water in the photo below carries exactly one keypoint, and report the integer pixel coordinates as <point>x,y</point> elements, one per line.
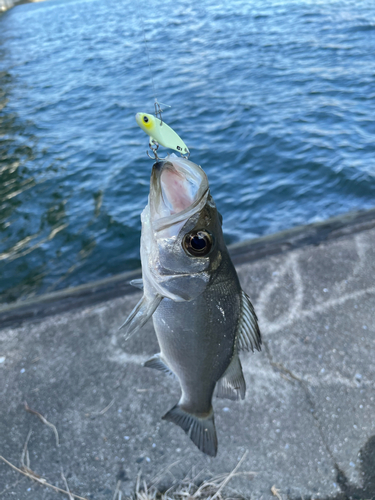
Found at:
<point>275,99</point>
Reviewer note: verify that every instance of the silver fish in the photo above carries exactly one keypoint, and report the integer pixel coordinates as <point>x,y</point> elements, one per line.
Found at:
<point>201,316</point>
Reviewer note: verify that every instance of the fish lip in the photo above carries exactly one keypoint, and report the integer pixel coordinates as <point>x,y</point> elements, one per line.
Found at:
<point>158,165</point>
<point>156,192</point>
<point>155,186</point>
<point>156,195</point>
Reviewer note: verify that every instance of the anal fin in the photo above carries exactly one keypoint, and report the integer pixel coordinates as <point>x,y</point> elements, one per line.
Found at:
<point>158,363</point>
<point>232,384</point>
<point>200,429</point>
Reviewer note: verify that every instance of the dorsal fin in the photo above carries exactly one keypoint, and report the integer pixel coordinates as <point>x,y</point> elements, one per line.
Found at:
<point>248,333</point>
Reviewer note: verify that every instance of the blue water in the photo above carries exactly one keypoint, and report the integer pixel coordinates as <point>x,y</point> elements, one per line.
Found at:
<point>275,99</point>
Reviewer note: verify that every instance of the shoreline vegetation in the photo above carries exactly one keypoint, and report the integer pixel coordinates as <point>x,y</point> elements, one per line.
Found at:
<point>8,4</point>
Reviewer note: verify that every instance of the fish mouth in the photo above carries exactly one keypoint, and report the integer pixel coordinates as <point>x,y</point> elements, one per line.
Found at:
<point>178,189</point>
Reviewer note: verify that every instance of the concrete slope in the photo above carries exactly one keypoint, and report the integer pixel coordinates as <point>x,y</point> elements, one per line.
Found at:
<point>8,4</point>
<point>307,422</point>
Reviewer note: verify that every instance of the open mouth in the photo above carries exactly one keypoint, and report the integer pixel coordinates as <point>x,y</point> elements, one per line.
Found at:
<point>177,188</point>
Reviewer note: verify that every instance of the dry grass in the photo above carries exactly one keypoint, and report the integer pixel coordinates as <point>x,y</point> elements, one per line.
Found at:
<point>44,420</point>
<point>26,471</point>
<point>192,487</point>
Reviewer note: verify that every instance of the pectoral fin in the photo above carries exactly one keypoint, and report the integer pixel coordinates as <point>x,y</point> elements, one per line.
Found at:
<point>137,283</point>
<point>140,314</point>
<point>248,333</point>
<point>232,384</point>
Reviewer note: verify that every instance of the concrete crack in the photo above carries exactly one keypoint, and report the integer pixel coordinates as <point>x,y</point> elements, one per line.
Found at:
<point>290,376</point>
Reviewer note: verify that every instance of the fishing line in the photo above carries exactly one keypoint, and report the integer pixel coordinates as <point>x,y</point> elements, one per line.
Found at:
<point>158,109</point>
<point>159,133</point>
<point>147,49</point>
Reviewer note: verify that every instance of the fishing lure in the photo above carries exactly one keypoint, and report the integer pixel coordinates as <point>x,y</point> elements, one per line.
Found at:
<point>160,133</point>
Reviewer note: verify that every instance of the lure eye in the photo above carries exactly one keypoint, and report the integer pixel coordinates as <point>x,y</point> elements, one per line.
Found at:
<point>197,244</point>
<point>145,119</point>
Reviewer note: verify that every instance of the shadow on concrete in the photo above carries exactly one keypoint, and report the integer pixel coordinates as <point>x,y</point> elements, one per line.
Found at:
<point>351,492</point>
<point>367,458</point>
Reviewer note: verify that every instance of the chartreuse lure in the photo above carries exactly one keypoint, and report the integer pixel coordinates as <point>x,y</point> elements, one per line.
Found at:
<point>160,133</point>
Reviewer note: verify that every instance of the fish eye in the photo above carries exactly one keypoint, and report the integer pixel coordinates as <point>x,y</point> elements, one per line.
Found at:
<point>145,119</point>
<point>197,243</point>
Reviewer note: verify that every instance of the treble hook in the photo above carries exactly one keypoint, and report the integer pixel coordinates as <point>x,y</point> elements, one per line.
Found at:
<point>154,147</point>
<point>155,157</point>
<point>186,156</point>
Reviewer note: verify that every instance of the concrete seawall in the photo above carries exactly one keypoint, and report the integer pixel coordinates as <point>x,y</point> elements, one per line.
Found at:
<point>307,421</point>
<point>7,4</point>
<point>245,252</point>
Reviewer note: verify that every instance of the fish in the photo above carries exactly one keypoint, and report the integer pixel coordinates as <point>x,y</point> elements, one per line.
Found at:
<point>161,133</point>
<point>201,316</point>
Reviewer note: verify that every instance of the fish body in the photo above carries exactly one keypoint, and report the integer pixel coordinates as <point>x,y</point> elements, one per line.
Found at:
<point>201,316</point>
<point>160,133</point>
<point>201,352</point>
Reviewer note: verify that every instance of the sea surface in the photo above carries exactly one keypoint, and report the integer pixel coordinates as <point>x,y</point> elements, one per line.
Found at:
<point>275,99</point>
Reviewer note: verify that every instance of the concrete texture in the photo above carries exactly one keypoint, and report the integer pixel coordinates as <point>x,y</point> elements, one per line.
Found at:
<point>308,418</point>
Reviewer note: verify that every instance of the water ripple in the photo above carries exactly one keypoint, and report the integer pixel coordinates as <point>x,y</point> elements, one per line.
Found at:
<point>275,100</point>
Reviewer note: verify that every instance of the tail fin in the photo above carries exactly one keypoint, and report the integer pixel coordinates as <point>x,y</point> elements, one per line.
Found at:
<point>200,430</point>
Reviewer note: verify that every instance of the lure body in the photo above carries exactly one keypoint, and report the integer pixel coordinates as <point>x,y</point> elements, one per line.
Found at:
<point>160,133</point>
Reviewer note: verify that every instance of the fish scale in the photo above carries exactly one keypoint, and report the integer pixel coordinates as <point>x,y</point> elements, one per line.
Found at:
<point>207,346</point>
